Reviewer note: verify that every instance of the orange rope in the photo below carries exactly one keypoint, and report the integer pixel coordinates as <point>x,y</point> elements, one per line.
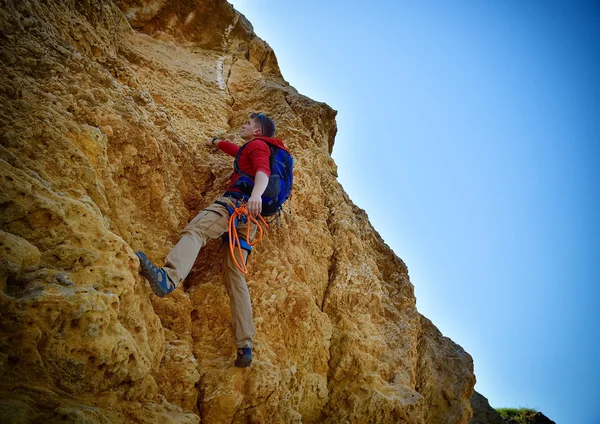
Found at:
<point>234,239</point>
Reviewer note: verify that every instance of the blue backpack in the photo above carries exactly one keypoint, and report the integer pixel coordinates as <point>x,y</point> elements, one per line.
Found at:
<point>280,182</point>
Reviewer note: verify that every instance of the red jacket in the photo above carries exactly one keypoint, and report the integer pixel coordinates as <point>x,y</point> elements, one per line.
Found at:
<point>254,158</point>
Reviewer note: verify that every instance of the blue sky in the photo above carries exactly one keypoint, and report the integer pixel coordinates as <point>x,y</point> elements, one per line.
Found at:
<point>469,131</point>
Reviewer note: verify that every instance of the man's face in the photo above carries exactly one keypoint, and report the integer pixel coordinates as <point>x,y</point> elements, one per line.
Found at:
<point>250,129</point>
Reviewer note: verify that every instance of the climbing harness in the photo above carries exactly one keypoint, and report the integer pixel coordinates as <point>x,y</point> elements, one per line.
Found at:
<point>241,214</point>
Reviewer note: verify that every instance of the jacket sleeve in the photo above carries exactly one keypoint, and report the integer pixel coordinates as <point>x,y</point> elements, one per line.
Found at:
<point>259,154</point>
<point>227,147</point>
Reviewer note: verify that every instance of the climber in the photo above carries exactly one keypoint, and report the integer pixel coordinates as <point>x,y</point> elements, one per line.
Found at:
<point>212,222</point>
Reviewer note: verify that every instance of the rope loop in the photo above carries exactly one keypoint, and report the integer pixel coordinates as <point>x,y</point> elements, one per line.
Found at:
<point>234,238</point>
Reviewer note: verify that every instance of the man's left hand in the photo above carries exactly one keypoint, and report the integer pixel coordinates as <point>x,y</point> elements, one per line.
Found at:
<point>254,205</point>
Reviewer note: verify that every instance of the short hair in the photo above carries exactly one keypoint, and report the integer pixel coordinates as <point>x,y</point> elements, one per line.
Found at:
<point>267,126</point>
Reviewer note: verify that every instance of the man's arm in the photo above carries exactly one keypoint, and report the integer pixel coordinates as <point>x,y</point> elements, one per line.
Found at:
<point>261,180</point>
<point>225,146</point>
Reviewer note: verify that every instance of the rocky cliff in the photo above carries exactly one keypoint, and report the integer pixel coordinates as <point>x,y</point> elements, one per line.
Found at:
<point>483,413</point>
<point>104,110</point>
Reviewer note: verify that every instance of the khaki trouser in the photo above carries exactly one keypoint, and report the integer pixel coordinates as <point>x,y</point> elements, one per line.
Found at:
<point>210,223</point>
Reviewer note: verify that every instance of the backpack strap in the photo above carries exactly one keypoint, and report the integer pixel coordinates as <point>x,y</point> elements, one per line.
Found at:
<point>236,167</point>
<point>245,182</point>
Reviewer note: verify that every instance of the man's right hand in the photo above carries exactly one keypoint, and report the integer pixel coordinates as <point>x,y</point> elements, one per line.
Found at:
<point>209,142</point>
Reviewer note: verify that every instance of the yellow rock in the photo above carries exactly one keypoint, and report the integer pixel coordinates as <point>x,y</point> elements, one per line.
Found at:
<point>104,113</point>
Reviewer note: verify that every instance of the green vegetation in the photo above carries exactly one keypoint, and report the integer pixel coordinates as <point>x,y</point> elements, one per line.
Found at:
<point>520,416</point>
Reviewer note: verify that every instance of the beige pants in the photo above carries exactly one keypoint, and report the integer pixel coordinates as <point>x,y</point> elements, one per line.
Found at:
<point>210,223</point>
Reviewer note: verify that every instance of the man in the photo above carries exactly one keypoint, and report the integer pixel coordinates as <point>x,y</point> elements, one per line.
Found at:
<point>213,221</point>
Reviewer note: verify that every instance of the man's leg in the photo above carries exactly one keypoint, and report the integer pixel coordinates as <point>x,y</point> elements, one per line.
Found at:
<point>239,299</point>
<point>209,223</point>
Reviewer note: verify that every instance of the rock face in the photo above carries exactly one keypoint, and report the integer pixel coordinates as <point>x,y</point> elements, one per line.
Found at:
<point>483,413</point>
<point>104,110</point>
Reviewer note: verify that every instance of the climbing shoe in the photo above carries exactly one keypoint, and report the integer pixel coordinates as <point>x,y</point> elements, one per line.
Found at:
<point>157,277</point>
<point>244,357</point>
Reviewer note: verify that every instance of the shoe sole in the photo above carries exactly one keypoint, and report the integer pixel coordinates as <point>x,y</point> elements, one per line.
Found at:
<point>156,288</point>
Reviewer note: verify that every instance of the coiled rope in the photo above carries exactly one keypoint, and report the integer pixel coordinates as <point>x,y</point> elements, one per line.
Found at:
<point>234,239</point>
